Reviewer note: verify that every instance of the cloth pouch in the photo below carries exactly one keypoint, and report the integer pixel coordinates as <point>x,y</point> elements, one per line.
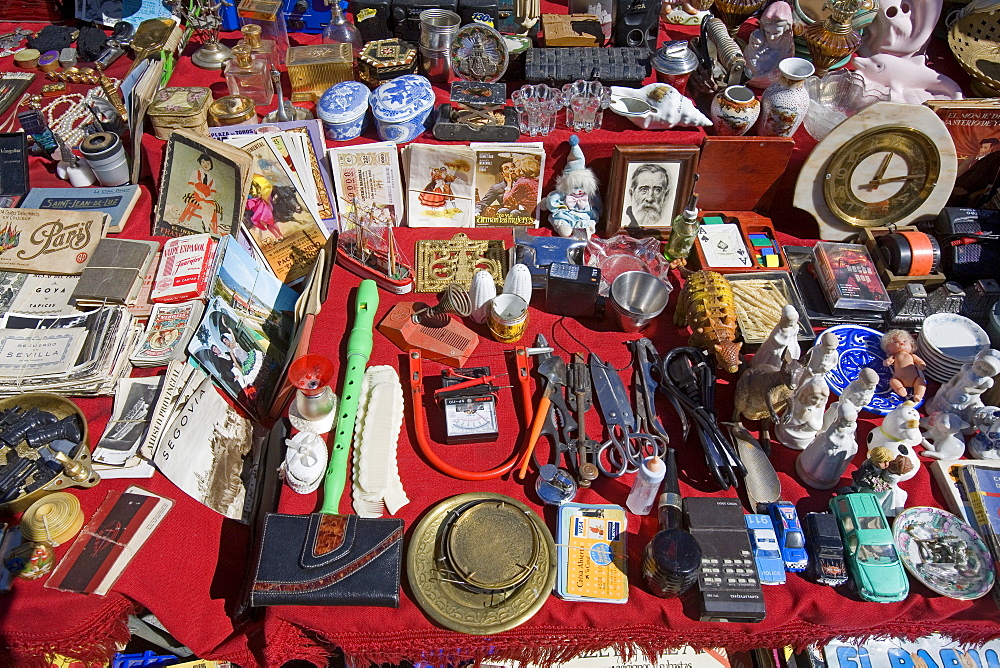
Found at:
<point>322,559</point>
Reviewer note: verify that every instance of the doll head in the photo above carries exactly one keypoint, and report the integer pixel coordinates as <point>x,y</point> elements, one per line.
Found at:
<point>577,181</point>
<point>776,20</point>
<point>897,341</point>
<point>881,456</point>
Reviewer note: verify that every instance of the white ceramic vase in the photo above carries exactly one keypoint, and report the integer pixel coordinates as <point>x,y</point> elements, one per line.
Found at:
<point>784,104</point>
<point>734,111</point>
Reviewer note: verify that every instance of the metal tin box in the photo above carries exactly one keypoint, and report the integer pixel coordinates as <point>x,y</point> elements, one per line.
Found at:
<point>313,69</point>
<point>401,107</point>
<point>386,59</point>
<point>182,107</point>
<point>344,110</point>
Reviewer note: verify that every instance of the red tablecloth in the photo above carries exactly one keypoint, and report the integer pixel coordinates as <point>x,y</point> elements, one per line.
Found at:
<point>190,572</point>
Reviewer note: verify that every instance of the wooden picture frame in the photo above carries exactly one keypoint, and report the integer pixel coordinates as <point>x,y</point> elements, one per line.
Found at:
<point>676,163</point>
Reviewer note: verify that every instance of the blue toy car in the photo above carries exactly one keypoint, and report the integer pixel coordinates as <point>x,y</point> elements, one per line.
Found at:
<point>770,567</point>
<point>869,548</point>
<point>790,538</point>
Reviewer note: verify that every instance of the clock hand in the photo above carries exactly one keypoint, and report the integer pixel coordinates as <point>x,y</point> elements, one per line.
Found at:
<point>894,179</point>
<point>877,178</point>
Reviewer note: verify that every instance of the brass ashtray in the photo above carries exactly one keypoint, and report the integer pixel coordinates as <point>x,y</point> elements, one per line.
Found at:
<point>77,470</point>
<point>481,563</point>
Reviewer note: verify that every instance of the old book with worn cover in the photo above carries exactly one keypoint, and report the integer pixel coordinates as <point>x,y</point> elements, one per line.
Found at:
<point>974,126</point>
<point>117,201</point>
<point>49,241</point>
<point>115,273</point>
<point>507,185</point>
<point>203,187</point>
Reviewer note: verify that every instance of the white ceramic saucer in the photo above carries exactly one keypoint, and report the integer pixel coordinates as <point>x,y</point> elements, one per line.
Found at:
<point>955,336</point>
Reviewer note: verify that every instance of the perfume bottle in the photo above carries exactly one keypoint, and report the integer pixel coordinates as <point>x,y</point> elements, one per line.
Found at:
<point>270,16</point>
<point>647,483</point>
<point>340,30</point>
<point>260,48</point>
<point>249,77</point>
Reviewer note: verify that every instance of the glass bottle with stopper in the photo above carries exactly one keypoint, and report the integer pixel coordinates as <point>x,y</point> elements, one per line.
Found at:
<point>340,30</point>
<point>315,402</point>
<point>260,48</point>
<point>672,560</point>
<point>270,16</point>
<point>249,77</point>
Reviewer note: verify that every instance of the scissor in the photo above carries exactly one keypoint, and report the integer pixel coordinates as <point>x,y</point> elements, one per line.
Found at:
<point>626,447</point>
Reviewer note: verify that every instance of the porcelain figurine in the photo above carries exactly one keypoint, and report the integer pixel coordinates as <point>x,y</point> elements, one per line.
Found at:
<point>907,366</point>
<point>940,440</point>
<point>783,338</point>
<point>305,462</point>
<point>962,395</point>
<point>783,105</point>
<point>822,464</point>
<point>900,432</point>
<point>656,106</point>
<point>734,111</point>
<point>820,359</point>
<point>892,52</point>
<point>986,443</point>
<point>804,417</point>
<point>575,204</point>
<point>770,43</point>
<point>858,393</point>
<point>880,475</point>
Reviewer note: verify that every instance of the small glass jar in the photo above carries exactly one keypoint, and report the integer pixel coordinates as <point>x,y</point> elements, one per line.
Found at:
<point>232,110</point>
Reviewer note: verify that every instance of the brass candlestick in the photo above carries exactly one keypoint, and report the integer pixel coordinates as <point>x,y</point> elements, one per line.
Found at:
<point>734,12</point>
<point>834,39</point>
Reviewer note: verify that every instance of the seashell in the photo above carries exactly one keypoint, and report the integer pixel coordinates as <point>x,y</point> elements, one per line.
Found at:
<point>667,107</point>
<point>482,292</point>
<point>518,282</point>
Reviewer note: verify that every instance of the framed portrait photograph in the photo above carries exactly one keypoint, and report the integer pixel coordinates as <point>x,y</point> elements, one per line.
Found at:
<point>650,186</point>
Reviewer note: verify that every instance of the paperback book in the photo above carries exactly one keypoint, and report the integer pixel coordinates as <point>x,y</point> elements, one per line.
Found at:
<point>439,185</point>
<point>974,126</point>
<point>508,184</point>
<point>49,241</point>
<point>116,201</point>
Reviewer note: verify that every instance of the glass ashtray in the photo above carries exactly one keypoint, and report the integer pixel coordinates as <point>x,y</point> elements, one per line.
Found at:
<point>836,97</point>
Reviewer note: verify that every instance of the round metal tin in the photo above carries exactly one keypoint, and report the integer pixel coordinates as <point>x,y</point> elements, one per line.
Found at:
<point>479,53</point>
<point>436,577</point>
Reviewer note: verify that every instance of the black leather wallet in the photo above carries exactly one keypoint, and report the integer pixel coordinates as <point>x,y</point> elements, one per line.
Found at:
<point>324,559</point>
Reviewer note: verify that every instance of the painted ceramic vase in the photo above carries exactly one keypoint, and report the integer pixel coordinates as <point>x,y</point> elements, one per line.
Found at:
<point>734,111</point>
<point>784,103</point>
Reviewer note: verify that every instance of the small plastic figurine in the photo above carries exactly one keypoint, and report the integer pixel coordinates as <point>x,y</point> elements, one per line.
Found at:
<point>940,440</point>
<point>769,44</point>
<point>575,204</point>
<point>858,393</point>
<point>880,474</point>
<point>783,338</point>
<point>804,417</point>
<point>986,443</point>
<point>907,367</point>
<point>820,359</point>
<point>823,463</point>
<point>962,394</point>
<point>900,432</point>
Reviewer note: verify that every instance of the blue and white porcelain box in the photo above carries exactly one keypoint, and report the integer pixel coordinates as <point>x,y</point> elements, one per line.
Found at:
<point>401,107</point>
<point>343,108</point>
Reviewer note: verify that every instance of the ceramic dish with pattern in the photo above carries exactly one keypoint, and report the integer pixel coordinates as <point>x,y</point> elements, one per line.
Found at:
<point>860,347</point>
<point>956,337</point>
<point>943,552</point>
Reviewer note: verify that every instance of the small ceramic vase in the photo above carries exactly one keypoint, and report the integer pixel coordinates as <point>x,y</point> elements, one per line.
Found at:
<point>735,110</point>
<point>784,104</point>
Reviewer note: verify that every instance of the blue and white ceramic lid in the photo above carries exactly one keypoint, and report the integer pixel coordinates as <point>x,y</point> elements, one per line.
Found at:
<point>343,102</point>
<point>402,99</point>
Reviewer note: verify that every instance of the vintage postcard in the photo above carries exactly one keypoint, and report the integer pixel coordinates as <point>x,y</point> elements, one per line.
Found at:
<point>508,185</point>
<point>203,451</point>
<point>44,294</point>
<point>49,241</point>
<point>134,401</point>
<point>281,224</point>
<point>39,352</point>
<point>246,331</point>
<point>168,332</point>
<point>368,184</point>
<point>11,284</point>
<point>203,187</point>
<point>439,186</point>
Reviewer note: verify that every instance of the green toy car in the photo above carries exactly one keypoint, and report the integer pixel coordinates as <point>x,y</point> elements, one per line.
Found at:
<point>869,548</point>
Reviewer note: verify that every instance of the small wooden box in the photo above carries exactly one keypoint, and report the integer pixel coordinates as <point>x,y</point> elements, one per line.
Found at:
<point>313,69</point>
<point>386,59</point>
<point>748,223</point>
<point>869,235</point>
<point>572,30</point>
<point>180,107</point>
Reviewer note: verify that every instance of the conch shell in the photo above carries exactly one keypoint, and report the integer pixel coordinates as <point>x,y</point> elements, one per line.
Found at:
<point>656,106</point>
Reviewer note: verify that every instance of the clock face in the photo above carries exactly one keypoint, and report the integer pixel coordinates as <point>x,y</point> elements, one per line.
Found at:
<point>881,176</point>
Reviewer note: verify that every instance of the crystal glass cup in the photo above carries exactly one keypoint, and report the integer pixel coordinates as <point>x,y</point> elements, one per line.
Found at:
<point>537,106</point>
<point>585,104</point>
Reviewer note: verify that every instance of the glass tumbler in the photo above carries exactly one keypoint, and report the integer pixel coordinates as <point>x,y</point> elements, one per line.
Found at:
<point>537,106</point>
<point>585,104</point>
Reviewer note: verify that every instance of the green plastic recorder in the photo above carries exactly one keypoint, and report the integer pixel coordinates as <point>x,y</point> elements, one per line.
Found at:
<point>359,348</point>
